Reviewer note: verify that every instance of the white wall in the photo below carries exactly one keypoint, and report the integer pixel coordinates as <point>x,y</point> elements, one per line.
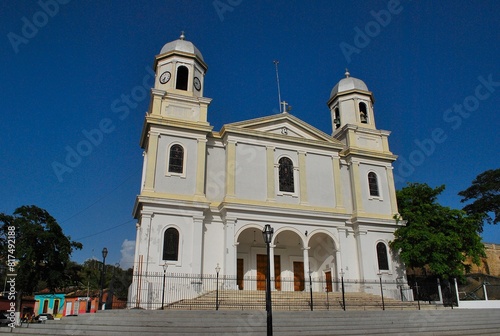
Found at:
<point>251,172</point>
<point>176,184</point>
<point>320,185</point>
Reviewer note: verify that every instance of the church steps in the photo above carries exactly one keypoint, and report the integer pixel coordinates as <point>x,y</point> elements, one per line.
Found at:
<point>242,300</point>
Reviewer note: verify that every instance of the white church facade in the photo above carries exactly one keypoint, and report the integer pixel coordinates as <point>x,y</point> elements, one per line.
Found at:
<point>206,195</point>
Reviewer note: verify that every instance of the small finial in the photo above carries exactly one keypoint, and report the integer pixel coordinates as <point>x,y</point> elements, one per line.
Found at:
<point>347,74</point>
<point>182,35</point>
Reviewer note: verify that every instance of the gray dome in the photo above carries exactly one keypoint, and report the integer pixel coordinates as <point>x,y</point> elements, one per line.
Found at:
<point>348,83</point>
<point>181,45</point>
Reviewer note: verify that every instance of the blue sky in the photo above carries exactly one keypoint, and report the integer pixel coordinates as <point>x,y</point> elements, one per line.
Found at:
<point>433,67</point>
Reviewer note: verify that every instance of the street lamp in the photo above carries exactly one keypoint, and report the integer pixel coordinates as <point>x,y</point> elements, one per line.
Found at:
<point>343,291</point>
<point>267,234</point>
<point>311,288</point>
<point>381,290</point>
<point>217,270</point>
<point>165,266</point>
<point>103,271</point>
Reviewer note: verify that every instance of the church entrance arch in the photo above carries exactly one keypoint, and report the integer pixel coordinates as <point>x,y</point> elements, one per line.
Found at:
<point>322,260</point>
<point>289,246</point>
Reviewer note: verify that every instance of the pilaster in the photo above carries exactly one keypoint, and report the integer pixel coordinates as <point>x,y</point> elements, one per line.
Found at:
<point>200,168</point>
<point>230,168</point>
<point>302,177</point>
<point>271,192</point>
<point>152,152</point>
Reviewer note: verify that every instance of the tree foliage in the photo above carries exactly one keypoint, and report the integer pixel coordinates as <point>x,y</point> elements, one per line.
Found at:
<point>485,191</point>
<point>435,236</point>
<point>42,251</point>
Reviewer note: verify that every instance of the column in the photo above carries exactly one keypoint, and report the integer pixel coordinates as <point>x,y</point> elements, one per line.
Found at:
<point>152,151</point>
<point>338,268</point>
<point>306,266</point>
<point>392,190</point>
<point>271,187</point>
<point>157,96</point>
<point>271,262</point>
<point>302,177</point>
<point>197,247</point>
<point>230,168</point>
<point>361,259</point>
<point>200,168</point>
<point>230,248</point>
<point>146,223</point>
<point>337,183</point>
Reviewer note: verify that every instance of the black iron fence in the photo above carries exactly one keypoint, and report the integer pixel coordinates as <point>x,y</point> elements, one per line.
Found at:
<point>190,291</point>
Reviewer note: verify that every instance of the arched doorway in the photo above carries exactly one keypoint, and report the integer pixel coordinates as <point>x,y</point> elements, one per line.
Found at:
<point>322,260</point>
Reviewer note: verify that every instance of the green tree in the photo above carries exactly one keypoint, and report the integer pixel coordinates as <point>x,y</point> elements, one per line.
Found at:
<point>42,251</point>
<point>485,191</point>
<point>435,236</point>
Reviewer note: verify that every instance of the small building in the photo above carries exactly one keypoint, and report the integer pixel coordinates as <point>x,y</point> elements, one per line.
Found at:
<point>49,303</point>
<point>81,302</point>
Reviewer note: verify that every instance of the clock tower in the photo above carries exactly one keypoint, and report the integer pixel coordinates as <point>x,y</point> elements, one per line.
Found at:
<point>180,75</point>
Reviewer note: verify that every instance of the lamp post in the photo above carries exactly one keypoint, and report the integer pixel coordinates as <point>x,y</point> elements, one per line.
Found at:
<point>165,266</point>
<point>267,234</point>
<point>311,288</point>
<point>381,291</point>
<point>103,271</point>
<point>217,270</point>
<point>343,292</point>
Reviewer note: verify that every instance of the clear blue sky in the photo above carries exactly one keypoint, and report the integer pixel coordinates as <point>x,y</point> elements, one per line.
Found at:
<point>62,68</point>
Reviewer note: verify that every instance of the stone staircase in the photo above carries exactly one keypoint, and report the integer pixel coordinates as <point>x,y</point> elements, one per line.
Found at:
<point>285,323</point>
<point>251,300</point>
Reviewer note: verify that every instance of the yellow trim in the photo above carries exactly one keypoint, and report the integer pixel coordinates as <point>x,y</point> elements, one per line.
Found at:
<point>302,177</point>
<point>271,192</point>
<point>357,198</point>
<point>277,206</point>
<point>337,182</point>
<point>392,190</point>
<point>151,160</point>
<point>230,168</point>
<point>200,167</point>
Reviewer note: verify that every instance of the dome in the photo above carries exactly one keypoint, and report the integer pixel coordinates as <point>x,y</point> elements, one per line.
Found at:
<point>181,45</point>
<point>348,83</point>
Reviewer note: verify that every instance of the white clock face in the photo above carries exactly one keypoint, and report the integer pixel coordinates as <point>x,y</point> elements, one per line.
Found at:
<point>197,83</point>
<point>165,77</point>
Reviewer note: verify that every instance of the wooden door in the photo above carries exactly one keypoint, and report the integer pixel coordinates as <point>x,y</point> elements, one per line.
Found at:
<point>298,276</point>
<point>277,272</point>
<point>328,276</point>
<point>239,273</point>
<point>261,271</point>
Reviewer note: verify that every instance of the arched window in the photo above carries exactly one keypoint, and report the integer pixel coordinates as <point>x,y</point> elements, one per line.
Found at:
<point>285,172</point>
<point>363,114</point>
<point>176,159</point>
<point>182,78</point>
<point>383,261</point>
<point>171,245</point>
<point>373,184</point>
<point>336,118</point>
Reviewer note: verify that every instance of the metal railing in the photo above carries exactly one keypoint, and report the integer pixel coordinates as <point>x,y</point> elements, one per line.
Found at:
<point>194,291</point>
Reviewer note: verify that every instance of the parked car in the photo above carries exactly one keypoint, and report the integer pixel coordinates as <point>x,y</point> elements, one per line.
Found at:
<point>4,319</point>
<point>44,317</point>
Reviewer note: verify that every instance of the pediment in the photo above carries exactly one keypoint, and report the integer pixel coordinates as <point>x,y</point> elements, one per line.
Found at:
<point>283,124</point>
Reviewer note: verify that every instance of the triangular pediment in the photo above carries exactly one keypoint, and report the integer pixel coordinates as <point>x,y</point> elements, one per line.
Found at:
<point>283,124</point>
